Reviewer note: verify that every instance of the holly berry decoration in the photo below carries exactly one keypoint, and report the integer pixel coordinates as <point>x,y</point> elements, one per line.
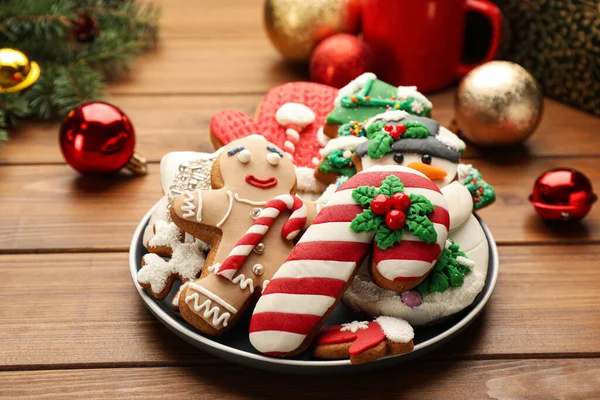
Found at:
<point>389,211</point>
<point>85,28</point>
<point>98,137</point>
<point>382,136</point>
<point>562,194</point>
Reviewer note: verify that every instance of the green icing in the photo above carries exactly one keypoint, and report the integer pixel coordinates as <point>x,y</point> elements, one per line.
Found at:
<point>482,192</point>
<point>380,100</point>
<point>381,141</point>
<point>353,128</point>
<point>446,273</point>
<point>337,163</point>
<point>417,221</point>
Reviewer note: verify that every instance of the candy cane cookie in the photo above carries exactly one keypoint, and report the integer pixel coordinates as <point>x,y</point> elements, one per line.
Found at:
<point>305,289</point>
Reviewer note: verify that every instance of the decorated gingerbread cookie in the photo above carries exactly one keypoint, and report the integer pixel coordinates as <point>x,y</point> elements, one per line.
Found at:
<point>249,218</point>
<point>365,341</point>
<point>366,96</point>
<point>303,292</point>
<point>290,116</point>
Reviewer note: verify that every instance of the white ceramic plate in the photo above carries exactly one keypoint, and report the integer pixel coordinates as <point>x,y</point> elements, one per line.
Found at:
<point>235,345</point>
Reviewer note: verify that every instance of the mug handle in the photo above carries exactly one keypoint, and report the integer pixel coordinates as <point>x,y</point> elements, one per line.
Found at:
<point>493,14</point>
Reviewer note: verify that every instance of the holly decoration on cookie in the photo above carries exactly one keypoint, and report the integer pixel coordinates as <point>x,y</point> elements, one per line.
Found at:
<point>383,135</point>
<point>449,271</point>
<point>339,161</point>
<point>389,211</point>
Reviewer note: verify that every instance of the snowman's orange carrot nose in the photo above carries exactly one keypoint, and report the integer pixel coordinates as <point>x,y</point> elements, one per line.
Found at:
<point>432,173</point>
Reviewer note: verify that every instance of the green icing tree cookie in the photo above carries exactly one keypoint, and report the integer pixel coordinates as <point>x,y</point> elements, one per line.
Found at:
<point>482,192</point>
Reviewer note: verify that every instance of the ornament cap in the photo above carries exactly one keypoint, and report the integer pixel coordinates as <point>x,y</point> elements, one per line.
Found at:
<point>17,72</point>
<point>137,164</point>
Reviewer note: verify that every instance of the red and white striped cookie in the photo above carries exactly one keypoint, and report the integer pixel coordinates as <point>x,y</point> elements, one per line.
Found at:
<point>306,288</point>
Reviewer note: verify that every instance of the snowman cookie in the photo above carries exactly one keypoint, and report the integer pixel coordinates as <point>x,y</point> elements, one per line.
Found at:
<point>290,116</point>
<point>398,138</point>
<point>366,96</point>
<point>407,235</point>
<point>249,218</point>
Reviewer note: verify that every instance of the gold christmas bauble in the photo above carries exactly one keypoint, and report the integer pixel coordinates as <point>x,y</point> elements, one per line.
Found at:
<point>498,104</point>
<point>17,72</point>
<point>296,26</point>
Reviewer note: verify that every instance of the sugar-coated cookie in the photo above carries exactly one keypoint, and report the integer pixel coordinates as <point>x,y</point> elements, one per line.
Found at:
<point>366,96</point>
<point>303,292</point>
<point>159,274</point>
<point>365,341</point>
<point>290,116</point>
<point>249,218</point>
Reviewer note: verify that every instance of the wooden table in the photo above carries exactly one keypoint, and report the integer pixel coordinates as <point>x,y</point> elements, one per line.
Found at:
<point>72,324</point>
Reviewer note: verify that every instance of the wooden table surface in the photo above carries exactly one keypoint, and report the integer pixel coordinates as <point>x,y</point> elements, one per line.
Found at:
<point>72,324</point>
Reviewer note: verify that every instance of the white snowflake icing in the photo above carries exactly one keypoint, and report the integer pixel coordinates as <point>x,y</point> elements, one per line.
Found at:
<point>354,326</point>
<point>167,235</point>
<point>186,263</point>
<point>416,107</point>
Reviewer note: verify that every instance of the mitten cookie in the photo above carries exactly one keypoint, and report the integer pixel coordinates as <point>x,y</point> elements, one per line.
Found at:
<point>365,341</point>
<point>290,116</point>
<point>306,288</point>
<point>366,96</point>
<point>249,218</point>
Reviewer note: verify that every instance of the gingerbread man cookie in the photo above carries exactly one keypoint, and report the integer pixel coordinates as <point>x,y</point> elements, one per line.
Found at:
<point>365,341</point>
<point>290,116</point>
<point>249,218</point>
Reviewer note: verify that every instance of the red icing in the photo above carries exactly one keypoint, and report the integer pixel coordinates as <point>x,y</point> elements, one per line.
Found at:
<point>329,251</point>
<point>395,219</point>
<point>401,201</point>
<point>363,339</point>
<point>368,178</point>
<point>261,183</point>
<point>408,250</point>
<point>341,213</point>
<point>299,323</point>
<point>381,204</point>
<point>230,125</point>
<point>318,286</point>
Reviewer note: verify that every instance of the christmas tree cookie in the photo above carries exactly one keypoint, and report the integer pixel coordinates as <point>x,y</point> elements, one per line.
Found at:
<point>366,96</point>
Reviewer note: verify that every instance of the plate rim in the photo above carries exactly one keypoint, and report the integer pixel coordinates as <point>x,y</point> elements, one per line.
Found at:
<point>173,324</point>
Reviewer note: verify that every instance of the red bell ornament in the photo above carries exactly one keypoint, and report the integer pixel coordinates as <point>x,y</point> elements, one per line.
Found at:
<point>562,194</point>
<point>98,137</point>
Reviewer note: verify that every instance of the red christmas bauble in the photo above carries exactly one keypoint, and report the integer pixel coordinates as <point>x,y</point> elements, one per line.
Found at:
<point>97,138</point>
<point>339,59</point>
<point>562,194</point>
<point>381,204</point>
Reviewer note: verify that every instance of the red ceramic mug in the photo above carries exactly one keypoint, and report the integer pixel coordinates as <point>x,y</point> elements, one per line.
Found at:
<point>420,42</point>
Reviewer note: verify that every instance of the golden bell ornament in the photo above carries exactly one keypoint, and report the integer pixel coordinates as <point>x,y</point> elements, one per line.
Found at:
<point>498,104</point>
<point>296,26</point>
<point>17,72</point>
